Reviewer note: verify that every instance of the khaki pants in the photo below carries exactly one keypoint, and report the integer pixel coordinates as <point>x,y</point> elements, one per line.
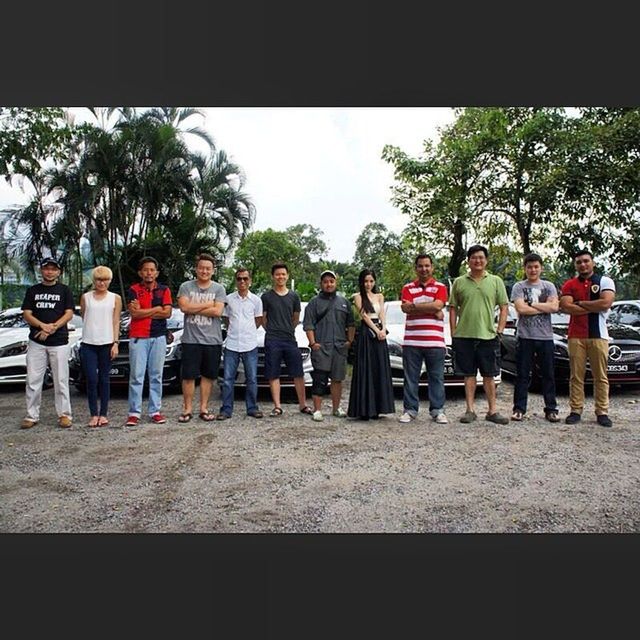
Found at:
<point>596,351</point>
<point>58,359</point>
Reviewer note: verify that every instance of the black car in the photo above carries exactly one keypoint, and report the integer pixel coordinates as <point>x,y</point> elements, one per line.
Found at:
<point>623,365</point>
<point>119,372</point>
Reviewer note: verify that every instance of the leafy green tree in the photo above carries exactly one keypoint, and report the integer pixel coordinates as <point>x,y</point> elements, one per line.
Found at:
<point>258,250</point>
<point>373,245</point>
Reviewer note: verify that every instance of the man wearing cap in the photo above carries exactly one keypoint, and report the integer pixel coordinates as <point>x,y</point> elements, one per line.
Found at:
<point>330,328</point>
<point>47,307</point>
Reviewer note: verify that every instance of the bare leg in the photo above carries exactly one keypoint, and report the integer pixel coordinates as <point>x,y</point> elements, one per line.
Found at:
<point>470,392</point>
<point>317,402</point>
<point>205,393</point>
<point>188,389</point>
<point>489,386</point>
<point>336,393</point>
<point>274,387</point>
<point>300,392</point>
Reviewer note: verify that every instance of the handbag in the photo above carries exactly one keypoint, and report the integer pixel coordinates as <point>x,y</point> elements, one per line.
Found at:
<point>372,333</point>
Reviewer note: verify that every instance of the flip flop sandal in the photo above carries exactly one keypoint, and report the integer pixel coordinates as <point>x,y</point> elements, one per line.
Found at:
<point>205,416</point>
<point>223,416</point>
<point>103,421</point>
<point>275,412</point>
<point>307,410</point>
<point>185,417</point>
<point>93,424</point>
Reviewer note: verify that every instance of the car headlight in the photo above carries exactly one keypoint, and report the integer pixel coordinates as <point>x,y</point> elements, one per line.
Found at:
<point>560,351</point>
<point>395,348</point>
<point>174,351</point>
<point>14,349</point>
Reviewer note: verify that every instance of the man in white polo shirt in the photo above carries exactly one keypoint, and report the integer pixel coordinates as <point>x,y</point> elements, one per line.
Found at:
<point>423,301</point>
<point>244,315</point>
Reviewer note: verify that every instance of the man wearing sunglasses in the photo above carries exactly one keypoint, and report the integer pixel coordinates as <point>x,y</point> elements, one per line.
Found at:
<point>244,315</point>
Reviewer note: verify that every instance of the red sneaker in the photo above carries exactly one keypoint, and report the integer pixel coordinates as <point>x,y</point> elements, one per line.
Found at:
<point>158,418</point>
<point>132,421</point>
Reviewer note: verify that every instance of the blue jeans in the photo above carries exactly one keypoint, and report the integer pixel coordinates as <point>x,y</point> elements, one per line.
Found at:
<point>96,362</point>
<point>412,358</point>
<point>526,349</point>
<point>146,355</point>
<point>250,362</point>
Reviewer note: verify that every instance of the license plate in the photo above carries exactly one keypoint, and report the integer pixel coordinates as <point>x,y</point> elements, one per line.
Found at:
<point>116,372</point>
<point>617,368</point>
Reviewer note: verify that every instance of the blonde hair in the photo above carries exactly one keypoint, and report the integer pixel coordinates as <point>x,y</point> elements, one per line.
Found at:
<point>102,272</point>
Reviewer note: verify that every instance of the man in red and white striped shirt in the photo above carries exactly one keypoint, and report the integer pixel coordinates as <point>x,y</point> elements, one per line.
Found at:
<point>423,301</point>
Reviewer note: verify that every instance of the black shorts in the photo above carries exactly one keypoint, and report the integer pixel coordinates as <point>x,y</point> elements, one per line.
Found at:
<point>470,354</point>
<point>200,360</point>
<point>275,351</point>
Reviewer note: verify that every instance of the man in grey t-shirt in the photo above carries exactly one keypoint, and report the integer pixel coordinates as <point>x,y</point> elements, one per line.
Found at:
<point>202,302</point>
<point>535,300</point>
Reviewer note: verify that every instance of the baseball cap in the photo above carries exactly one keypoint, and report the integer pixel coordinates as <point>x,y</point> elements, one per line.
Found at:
<point>45,261</point>
<point>328,273</point>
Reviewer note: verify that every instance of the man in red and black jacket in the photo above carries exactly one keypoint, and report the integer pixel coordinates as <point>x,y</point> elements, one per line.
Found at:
<point>149,304</point>
<point>587,298</point>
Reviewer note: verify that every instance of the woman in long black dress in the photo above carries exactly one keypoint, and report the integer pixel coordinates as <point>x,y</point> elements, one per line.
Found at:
<point>371,388</point>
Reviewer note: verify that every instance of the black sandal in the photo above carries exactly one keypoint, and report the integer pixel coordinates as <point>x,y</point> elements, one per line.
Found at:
<point>185,417</point>
<point>275,412</point>
<point>307,410</point>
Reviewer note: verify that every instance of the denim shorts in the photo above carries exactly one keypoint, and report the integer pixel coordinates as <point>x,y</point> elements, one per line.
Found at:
<point>471,354</point>
<point>275,351</point>
<point>200,360</point>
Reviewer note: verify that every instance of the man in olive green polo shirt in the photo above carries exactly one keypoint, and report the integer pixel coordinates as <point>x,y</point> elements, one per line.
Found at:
<point>476,342</point>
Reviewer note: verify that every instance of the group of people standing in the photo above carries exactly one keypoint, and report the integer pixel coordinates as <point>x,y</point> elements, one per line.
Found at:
<point>330,329</point>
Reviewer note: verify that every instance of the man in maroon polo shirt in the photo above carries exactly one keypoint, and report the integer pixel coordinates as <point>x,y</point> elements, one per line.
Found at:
<point>587,298</point>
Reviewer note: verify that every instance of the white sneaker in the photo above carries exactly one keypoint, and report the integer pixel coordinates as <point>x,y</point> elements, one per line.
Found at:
<point>340,413</point>
<point>405,417</point>
<point>441,419</point>
<point>317,416</point>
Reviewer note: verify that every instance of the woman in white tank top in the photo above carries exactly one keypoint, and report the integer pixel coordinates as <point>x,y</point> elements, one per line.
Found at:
<point>100,310</point>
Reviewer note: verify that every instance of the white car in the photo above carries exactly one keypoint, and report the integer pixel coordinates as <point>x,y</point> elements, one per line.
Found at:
<point>14,339</point>
<point>625,312</point>
<point>395,324</point>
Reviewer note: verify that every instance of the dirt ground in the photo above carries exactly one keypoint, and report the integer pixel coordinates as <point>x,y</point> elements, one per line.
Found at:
<point>289,474</point>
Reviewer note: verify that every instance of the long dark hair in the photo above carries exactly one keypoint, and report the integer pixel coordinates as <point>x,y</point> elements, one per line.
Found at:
<point>367,307</point>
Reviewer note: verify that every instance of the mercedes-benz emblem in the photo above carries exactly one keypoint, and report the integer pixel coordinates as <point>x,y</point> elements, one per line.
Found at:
<point>615,352</point>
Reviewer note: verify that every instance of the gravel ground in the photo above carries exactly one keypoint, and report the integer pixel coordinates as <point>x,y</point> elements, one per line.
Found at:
<point>290,474</point>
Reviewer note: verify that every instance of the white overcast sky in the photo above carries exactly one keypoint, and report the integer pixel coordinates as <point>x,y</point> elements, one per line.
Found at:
<point>316,165</point>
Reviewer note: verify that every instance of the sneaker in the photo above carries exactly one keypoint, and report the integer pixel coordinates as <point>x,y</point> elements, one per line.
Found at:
<point>64,422</point>
<point>469,416</point>
<point>340,413</point>
<point>604,420</point>
<point>158,418</point>
<point>406,417</point>
<point>572,418</point>
<point>132,421</point>
<point>27,423</point>
<point>317,416</point>
<point>552,416</point>
<point>441,419</point>
<point>497,418</point>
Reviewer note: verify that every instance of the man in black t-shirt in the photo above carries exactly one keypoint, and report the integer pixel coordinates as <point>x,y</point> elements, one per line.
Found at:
<point>47,307</point>
<point>281,312</point>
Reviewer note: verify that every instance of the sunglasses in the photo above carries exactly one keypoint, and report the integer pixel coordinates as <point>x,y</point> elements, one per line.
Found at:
<point>242,278</point>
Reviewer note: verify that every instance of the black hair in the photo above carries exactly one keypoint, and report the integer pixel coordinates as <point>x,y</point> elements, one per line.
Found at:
<point>367,307</point>
<point>475,248</point>
<point>279,265</point>
<point>240,270</point>
<point>206,256</point>
<point>583,252</point>
<point>422,256</point>
<point>532,257</point>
